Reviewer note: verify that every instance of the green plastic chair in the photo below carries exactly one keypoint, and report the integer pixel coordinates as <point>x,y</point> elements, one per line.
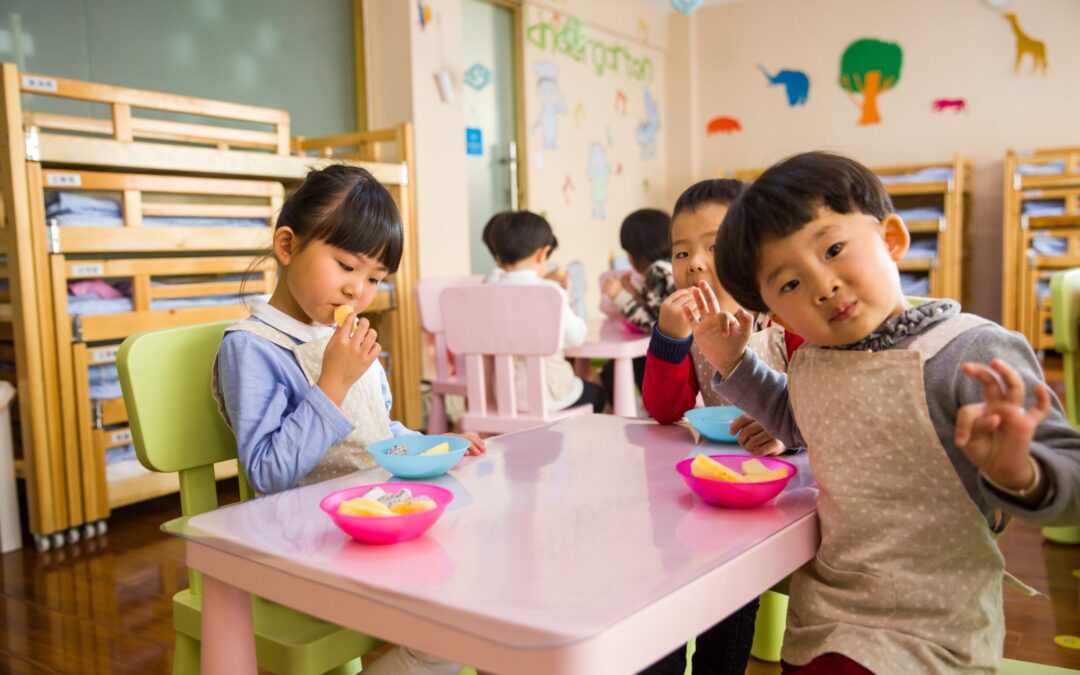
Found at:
<point>1065,317</point>
<point>175,425</point>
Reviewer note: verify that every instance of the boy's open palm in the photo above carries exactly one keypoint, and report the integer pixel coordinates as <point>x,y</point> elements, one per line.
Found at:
<point>349,354</point>
<point>720,336</point>
<point>996,434</point>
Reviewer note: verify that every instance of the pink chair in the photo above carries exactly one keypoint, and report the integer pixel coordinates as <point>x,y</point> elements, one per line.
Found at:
<point>504,322</point>
<point>428,292</point>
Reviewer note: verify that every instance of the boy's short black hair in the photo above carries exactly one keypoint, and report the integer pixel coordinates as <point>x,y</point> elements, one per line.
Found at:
<point>518,234</point>
<point>713,191</point>
<point>782,201</point>
<point>646,235</point>
<point>490,232</point>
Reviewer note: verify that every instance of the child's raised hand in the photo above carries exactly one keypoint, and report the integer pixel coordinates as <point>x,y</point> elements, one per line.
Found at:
<point>672,321</point>
<point>612,286</point>
<point>477,448</point>
<point>754,438</point>
<point>720,336</point>
<point>351,351</point>
<point>996,435</point>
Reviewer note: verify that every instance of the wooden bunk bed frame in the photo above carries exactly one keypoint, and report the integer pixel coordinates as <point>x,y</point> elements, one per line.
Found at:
<point>158,168</point>
<point>1022,267</point>
<point>948,271</point>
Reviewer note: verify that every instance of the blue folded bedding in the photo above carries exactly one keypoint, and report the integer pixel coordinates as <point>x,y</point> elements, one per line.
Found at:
<point>1044,244</point>
<point>930,175</point>
<point>73,209</point>
<point>921,213</point>
<point>1043,207</point>
<point>915,284</point>
<point>91,305</point>
<point>1053,168</point>
<point>922,248</point>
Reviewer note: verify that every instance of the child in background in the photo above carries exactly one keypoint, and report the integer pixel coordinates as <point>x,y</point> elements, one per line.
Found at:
<point>522,241</point>
<point>676,369</point>
<point>920,449</point>
<point>645,235</point>
<point>303,399</point>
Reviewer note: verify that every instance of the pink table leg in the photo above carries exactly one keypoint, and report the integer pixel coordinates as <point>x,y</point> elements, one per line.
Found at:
<point>623,397</point>
<point>228,638</point>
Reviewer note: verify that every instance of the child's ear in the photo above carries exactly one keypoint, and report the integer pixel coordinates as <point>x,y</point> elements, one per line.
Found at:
<point>897,237</point>
<point>284,244</point>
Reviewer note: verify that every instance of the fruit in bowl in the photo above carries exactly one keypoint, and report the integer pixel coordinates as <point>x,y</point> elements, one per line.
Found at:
<point>735,481</point>
<point>419,456</point>
<point>386,513</point>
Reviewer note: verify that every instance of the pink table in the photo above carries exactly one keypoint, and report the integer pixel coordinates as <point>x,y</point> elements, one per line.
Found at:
<point>571,548</point>
<point>608,339</point>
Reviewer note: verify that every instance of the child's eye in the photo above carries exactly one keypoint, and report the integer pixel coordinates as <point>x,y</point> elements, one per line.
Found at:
<point>789,286</point>
<point>373,282</point>
<point>834,251</point>
<point>345,267</point>
<point>680,255</point>
<point>712,248</point>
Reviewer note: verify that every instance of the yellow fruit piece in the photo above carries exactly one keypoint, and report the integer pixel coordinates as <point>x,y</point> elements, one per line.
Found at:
<point>707,467</point>
<point>342,312</point>
<point>362,506</point>
<point>752,466</point>
<point>418,506</point>
<point>762,476</point>
<point>1067,641</point>
<point>440,449</point>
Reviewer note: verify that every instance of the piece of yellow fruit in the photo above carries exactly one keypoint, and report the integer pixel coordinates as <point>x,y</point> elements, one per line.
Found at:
<point>707,467</point>
<point>762,476</point>
<point>418,506</point>
<point>440,449</point>
<point>752,466</point>
<point>342,312</point>
<point>362,506</point>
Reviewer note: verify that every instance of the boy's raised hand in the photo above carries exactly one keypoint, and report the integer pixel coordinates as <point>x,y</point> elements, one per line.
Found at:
<point>720,336</point>
<point>352,349</point>
<point>672,321</point>
<point>996,434</point>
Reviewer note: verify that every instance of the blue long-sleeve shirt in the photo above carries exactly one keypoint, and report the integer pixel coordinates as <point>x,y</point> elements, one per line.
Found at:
<point>283,424</point>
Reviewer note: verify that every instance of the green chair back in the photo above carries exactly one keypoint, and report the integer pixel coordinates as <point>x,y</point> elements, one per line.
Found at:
<point>174,419</point>
<point>1065,316</point>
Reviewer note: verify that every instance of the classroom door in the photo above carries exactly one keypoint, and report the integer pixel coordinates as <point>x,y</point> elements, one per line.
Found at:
<point>490,68</point>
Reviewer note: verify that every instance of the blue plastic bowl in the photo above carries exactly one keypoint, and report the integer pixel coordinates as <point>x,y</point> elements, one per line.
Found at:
<point>412,466</point>
<point>714,423</point>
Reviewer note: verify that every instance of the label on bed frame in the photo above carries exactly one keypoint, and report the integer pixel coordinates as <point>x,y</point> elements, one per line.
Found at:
<point>38,83</point>
<point>1032,194</point>
<point>119,437</point>
<point>88,270</point>
<point>63,179</point>
<point>104,355</point>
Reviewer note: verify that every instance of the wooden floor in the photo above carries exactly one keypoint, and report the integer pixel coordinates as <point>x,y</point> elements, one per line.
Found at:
<point>103,605</point>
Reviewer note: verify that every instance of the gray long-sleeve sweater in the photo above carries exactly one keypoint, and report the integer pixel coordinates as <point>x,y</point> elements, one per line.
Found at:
<point>762,393</point>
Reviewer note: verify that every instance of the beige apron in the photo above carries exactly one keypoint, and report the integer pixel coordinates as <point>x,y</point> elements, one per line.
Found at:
<point>363,405</point>
<point>908,575</point>
<point>769,345</point>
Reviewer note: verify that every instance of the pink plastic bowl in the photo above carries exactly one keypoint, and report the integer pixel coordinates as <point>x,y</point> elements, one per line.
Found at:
<point>736,495</point>
<point>391,529</point>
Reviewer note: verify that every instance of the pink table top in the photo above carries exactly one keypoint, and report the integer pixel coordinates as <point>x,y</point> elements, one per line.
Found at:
<point>556,535</point>
<point>609,339</point>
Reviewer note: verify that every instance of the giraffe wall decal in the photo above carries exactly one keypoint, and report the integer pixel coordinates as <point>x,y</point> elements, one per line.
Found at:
<point>1025,44</point>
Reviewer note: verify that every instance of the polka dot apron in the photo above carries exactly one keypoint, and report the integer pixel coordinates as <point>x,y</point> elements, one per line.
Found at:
<point>908,576</point>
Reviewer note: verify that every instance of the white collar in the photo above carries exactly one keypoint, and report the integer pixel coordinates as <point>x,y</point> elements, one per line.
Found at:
<point>298,330</point>
<point>521,274</point>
